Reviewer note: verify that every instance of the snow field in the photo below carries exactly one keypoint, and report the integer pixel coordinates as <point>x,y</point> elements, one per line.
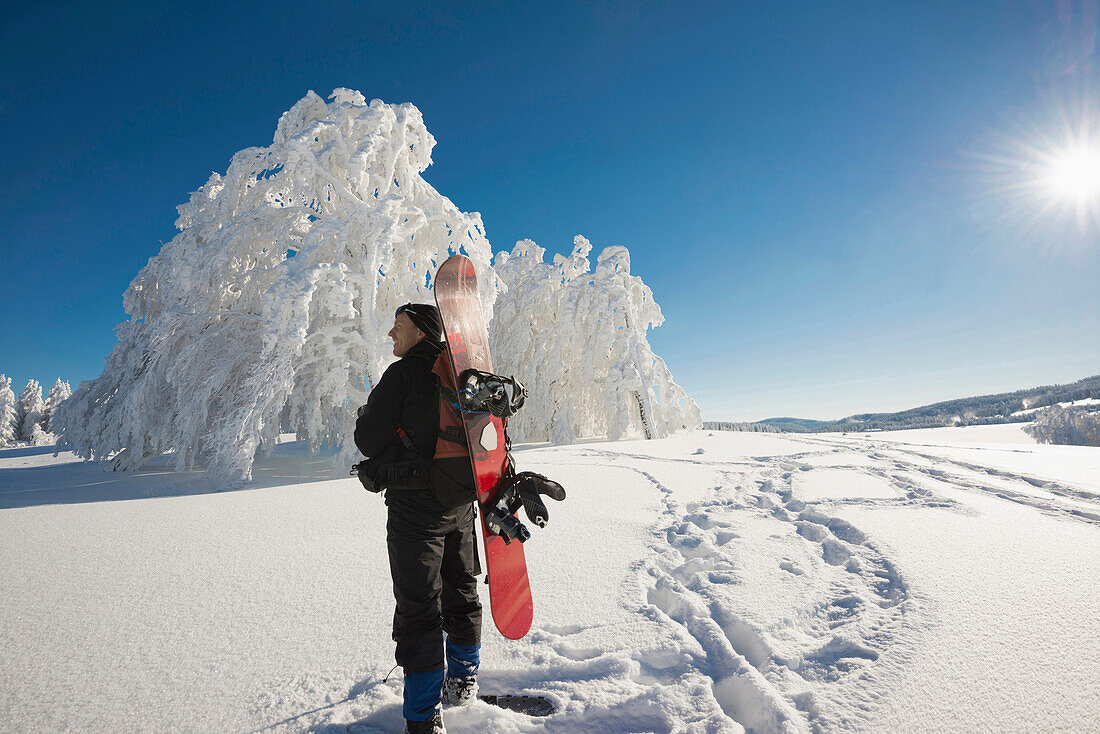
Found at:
<point>709,582</point>
<point>162,614</point>
<point>1006,647</point>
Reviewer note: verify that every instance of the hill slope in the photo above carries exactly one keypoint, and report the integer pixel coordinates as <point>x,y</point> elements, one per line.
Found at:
<point>1007,407</point>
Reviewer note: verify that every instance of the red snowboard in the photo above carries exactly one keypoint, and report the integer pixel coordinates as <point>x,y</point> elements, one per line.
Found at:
<point>456,296</point>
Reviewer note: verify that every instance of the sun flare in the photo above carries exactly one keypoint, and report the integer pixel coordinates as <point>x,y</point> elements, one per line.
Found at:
<point>1038,176</point>
<point>1075,174</point>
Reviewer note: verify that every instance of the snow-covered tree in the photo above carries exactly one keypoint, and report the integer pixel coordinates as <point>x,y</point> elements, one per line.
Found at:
<point>9,427</point>
<point>59,393</point>
<point>269,310</point>
<point>31,407</point>
<point>578,337</point>
<point>1074,425</point>
<point>741,426</point>
<point>271,305</point>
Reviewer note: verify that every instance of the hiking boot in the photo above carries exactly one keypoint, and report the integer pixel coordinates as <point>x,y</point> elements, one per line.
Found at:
<point>433,725</point>
<point>459,691</point>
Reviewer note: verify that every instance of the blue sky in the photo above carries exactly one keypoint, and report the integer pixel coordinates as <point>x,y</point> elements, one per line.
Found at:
<point>797,182</point>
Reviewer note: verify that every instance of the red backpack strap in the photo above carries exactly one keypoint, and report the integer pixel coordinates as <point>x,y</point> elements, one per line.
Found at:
<point>444,370</point>
<point>451,440</point>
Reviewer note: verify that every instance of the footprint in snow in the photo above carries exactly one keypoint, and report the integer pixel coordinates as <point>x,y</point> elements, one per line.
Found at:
<point>791,567</point>
<point>721,537</point>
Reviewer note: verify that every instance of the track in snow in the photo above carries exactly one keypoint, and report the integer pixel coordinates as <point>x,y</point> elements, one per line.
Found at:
<point>817,668</point>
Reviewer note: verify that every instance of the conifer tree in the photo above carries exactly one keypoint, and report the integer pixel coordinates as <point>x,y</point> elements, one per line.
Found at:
<point>9,427</point>
<point>31,406</point>
<point>59,393</point>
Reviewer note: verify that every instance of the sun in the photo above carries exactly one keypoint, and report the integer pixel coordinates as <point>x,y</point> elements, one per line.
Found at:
<point>1075,174</point>
<point>1036,177</point>
<point>1043,188</point>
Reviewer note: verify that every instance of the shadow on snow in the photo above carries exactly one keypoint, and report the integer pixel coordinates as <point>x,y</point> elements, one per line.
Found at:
<point>78,481</point>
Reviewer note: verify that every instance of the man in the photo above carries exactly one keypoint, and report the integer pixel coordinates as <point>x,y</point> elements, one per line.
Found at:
<point>429,531</point>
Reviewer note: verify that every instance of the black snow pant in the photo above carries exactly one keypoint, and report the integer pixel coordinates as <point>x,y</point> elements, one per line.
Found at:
<point>434,565</point>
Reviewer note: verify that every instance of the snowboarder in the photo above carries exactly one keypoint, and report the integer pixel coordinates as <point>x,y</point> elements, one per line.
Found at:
<point>430,534</point>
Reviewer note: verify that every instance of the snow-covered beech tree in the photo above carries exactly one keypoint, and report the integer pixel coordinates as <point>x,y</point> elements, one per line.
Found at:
<point>577,336</point>
<point>9,427</point>
<point>31,407</point>
<point>59,393</point>
<point>270,308</point>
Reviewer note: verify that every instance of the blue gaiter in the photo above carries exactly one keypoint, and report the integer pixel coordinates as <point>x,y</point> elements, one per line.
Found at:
<point>423,695</point>
<point>462,660</point>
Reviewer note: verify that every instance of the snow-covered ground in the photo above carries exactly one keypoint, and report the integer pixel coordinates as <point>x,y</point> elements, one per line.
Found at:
<point>935,580</point>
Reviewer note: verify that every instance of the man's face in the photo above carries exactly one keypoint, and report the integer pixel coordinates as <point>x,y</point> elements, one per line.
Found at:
<point>404,334</point>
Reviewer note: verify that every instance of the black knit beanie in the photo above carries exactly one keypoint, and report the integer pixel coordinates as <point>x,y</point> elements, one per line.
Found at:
<point>425,317</point>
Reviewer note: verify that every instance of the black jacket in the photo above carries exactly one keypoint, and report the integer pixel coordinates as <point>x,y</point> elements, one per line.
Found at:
<point>407,395</point>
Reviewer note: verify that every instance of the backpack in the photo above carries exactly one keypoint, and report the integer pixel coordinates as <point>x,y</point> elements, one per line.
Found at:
<point>448,473</point>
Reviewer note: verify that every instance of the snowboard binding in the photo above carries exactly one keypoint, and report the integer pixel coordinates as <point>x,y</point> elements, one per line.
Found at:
<point>523,489</point>
<point>484,392</point>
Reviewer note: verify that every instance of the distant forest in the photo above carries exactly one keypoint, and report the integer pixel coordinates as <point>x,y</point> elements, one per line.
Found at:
<point>1012,407</point>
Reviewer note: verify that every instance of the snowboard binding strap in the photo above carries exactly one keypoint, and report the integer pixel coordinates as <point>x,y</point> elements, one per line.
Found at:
<point>517,490</point>
<point>484,392</point>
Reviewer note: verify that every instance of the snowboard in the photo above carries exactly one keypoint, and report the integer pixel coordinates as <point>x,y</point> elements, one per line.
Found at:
<point>456,296</point>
